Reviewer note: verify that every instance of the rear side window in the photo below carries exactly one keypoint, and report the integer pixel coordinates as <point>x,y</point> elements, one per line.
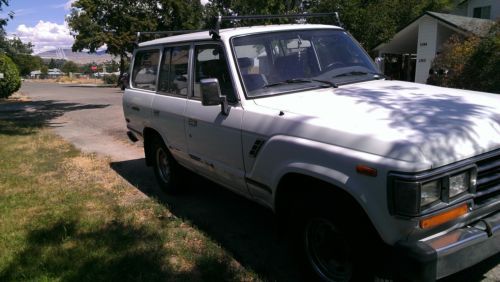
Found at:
<point>145,68</point>
<point>174,71</point>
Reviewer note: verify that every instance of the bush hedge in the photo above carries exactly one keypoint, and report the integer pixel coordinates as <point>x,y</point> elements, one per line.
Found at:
<point>11,82</point>
<point>110,79</point>
<point>471,63</point>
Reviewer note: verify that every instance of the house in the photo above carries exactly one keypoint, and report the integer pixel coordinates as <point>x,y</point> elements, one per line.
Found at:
<point>54,73</point>
<point>35,74</point>
<point>409,54</point>
<point>482,9</point>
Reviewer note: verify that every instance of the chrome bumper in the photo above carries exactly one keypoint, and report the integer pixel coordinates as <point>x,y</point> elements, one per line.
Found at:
<point>445,254</point>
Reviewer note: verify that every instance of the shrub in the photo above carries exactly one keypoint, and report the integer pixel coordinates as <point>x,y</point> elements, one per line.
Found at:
<point>482,69</point>
<point>110,79</point>
<point>11,81</point>
<point>472,63</point>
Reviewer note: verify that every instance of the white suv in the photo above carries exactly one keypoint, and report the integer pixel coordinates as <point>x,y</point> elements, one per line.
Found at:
<point>366,172</point>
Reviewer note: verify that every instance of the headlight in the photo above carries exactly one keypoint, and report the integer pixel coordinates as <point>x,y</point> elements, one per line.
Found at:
<point>414,195</point>
<point>459,184</point>
<point>430,192</point>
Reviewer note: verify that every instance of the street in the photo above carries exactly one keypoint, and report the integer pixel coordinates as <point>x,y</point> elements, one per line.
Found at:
<point>91,118</point>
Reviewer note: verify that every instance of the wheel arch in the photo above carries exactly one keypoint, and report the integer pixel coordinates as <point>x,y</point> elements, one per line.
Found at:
<point>288,193</point>
<point>149,135</point>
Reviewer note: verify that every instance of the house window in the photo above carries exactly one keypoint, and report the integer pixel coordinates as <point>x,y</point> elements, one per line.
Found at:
<point>482,12</point>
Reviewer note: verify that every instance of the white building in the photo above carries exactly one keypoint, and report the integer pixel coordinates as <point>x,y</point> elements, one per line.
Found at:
<point>483,9</point>
<point>419,42</point>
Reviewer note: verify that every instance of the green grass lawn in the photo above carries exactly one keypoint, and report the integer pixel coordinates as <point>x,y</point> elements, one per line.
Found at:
<point>66,216</point>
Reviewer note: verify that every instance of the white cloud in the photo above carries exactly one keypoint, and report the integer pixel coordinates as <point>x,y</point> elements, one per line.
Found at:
<point>45,36</point>
<point>204,2</point>
<point>23,12</point>
<point>66,5</point>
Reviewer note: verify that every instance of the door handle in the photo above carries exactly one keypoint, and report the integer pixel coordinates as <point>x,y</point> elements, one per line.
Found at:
<point>192,122</point>
<point>135,108</point>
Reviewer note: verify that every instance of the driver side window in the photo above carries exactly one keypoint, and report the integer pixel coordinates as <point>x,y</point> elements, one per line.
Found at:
<point>210,62</point>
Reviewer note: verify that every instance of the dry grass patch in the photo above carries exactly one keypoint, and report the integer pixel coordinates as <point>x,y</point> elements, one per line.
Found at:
<point>69,216</point>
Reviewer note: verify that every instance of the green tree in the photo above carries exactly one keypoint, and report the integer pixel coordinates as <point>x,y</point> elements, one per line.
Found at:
<point>95,23</point>
<point>482,70</point>
<point>472,63</point>
<point>370,21</point>
<point>45,71</point>
<point>52,64</point>
<point>27,63</point>
<point>3,21</point>
<point>70,66</point>
<point>11,82</point>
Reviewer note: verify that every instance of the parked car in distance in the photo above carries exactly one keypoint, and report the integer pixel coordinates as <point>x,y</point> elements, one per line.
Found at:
<point>365,174</point>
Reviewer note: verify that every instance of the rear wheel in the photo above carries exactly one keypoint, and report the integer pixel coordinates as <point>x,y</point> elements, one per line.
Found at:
<point>165,167</point>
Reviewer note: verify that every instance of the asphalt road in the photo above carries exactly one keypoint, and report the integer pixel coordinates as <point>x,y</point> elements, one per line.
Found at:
<point>92,119</point>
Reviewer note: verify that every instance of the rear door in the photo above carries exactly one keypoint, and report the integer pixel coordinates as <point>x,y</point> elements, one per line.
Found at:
<point>138,98</point>
<point>214,139</point>
<point>169,105</point>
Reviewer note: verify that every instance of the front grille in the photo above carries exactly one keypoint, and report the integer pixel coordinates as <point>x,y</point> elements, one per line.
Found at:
<point>488,176</point>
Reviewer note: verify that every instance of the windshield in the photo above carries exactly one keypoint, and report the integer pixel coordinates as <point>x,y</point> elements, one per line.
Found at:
<point>289,61</point>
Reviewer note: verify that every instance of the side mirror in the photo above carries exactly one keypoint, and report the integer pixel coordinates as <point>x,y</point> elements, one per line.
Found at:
<point>211,95</point>
<point>379,61</point>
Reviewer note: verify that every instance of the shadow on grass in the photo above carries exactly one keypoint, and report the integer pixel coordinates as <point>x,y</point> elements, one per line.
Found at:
<point>240,226</point>
<point>115,252</point>
<point>24,116</point>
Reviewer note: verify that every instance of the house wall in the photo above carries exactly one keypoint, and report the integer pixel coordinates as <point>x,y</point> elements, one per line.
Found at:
<point>426,48</point>
<point>471,4</point>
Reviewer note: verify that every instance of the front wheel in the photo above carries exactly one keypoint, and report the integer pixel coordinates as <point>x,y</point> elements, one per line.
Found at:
<point>327,250</point>
<point>165,167</point>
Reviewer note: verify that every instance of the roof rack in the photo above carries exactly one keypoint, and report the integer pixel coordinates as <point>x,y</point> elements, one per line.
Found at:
<point>215,32</point>
<point>166,32</point>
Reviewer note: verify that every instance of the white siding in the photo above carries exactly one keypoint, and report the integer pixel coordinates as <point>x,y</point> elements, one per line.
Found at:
<point>495,7</point>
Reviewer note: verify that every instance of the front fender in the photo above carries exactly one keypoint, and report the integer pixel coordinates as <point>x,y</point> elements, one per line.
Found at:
<point>336,165</point>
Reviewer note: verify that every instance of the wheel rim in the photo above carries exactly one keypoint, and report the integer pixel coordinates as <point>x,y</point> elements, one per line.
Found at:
<point>163,165</point>
<point>327,250</point>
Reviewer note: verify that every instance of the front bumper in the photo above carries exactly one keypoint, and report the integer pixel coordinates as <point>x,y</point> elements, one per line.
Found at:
<point>439,256</point>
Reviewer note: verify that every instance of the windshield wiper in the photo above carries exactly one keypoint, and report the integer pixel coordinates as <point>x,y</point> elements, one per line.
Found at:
<point>355,73</point>
<point>302,80</point>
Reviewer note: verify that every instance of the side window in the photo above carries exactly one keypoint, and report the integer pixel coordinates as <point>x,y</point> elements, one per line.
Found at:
<point>210,62</point>
<point>145,68</point>
<point>174,70</point>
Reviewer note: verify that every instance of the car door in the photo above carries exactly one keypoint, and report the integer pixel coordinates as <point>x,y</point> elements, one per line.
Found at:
<point>138,98</point>
<point>169,105</point>
<point>214,139</point>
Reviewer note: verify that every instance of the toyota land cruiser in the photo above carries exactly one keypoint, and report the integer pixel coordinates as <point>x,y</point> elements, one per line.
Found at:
<point>297,118</point>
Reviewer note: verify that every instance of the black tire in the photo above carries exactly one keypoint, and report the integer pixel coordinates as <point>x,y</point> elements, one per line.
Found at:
<point>165,167</point>
<point>328,246</point>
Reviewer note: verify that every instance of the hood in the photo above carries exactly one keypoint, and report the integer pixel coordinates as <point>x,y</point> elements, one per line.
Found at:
<point>401,120</point>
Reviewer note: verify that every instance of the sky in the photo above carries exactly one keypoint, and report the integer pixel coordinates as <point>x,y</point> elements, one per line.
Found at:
<point>41,22</point>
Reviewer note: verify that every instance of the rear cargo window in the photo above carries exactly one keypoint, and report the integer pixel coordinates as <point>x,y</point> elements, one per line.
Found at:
<point>145,69</point>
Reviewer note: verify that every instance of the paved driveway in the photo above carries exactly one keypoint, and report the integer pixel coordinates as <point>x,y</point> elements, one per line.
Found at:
<point>92,119</point>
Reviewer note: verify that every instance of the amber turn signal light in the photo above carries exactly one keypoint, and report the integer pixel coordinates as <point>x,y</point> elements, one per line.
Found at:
<point>366,170</point>
<point>444,217</point>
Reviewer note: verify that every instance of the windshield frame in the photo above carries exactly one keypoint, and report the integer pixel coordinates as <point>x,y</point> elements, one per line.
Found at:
<point>305,86</point>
